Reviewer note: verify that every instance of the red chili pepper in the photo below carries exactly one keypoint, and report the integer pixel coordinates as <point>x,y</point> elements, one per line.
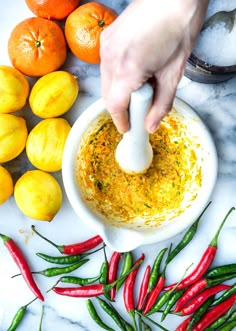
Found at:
<point>190,293</point>
<point>214,313</point>
<point>77,248</point>
<point>83,246</point>
<point>205,261</point>
<point>22,265</point>
<point>197,301</point>
<point>92,290</point>
<point>153,295</point>
<point>112,271</point>
<point>86,291</point>
<point>128,293</point>
<point>144,288</point>
<point>197,287</point>
<point>183,326</point>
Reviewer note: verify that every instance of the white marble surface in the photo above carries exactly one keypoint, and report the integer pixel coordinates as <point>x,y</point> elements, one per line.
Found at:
<point>214,103</point>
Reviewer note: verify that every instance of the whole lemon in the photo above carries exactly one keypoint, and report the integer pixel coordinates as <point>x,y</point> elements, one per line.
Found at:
<point>6,185</point>
<point>38,195</point>
<point>53,94</point>
<point>14,89</point>
<point>13,135</point>
<point>45,143</point>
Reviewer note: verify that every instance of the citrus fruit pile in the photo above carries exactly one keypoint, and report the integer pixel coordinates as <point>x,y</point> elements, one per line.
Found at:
<point>38,47</point>
<point>37,193</point>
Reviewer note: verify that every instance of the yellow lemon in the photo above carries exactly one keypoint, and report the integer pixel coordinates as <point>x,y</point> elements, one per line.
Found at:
<point>13,135</point>
<point>45,143</point>
<point>14,89</point>
<point>53,94</point>
<point>6,185</point>
<point>38,195</point>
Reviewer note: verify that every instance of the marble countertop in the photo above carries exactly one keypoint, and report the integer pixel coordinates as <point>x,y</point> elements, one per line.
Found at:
<point>215,104</point>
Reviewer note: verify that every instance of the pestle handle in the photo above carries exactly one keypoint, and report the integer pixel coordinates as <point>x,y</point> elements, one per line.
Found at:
<point>134,153</point>
<point>140,103</point>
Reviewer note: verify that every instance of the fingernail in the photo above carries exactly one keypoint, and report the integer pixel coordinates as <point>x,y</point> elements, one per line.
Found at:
<point>152,128</point>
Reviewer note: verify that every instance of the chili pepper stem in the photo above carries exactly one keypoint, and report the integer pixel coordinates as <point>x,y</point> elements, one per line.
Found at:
<point>139,322</point>
<point>152,321</point>
<point>188,236</point>
<point>215,238</point>
<point>4,237</point>
<point>41,319</point>
<point>132,315</point>
<point>59,247</point>
<point>30,302</point>
<point>57,282</point>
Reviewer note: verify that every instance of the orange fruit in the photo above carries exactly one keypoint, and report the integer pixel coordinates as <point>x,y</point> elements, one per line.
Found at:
<point>37,46</point>
<point>83,28</point>
<point>52,9</point>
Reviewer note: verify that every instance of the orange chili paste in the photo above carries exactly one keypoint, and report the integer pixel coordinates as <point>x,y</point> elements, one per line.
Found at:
<point>154,196</point>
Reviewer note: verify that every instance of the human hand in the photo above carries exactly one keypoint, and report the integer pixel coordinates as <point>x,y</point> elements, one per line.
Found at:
<point>150,41</point>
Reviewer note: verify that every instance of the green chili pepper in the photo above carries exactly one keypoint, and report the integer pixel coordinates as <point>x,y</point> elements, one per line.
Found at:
<point>228,326</point>
<point>221,270</point>
<point>62,259</point>
<point>199,313</point>
<point>104,269</point>
<point>155,271</point>
<point>161,301</point>
<point>187,237</point>
<point>78,280</point>
<point>51,272</point>
<point>104,273</point>
<point>128,326</point>
<point>232,315</point>
<point>17,319</point>
<point>171,302</point>
<point>108,308</point>
<point>225,295</point>
<point>164,298</point>
<point>19,316</point>
<point>93,313</point>
<point>127,265</point>
<point>69,259</point>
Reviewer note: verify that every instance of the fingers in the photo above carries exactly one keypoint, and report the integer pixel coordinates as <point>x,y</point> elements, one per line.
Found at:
<point>114,92</point>
<point>117,104</point>
<point>164,93</point>
<point>162,104</point>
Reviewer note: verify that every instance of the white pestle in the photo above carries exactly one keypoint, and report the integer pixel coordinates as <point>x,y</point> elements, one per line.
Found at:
<point>134,152</point>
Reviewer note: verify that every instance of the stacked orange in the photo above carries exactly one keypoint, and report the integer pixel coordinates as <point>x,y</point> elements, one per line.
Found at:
<point>83,29</point>
<point>52,9</point>
<point>38,45</point>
